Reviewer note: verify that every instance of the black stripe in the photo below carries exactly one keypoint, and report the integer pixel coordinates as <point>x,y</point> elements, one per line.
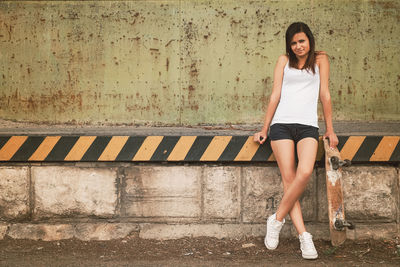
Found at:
<point>264,151</point>
<point>342,141</point>
<point>62,148</point>
<point>28,148</point>
<point>396,153</point>
<point>130,148</point>
<point>4,140</point>
<point>164,148</point>
<point>367,148</point>
<point>199,146</point>
<point>233,148</point>
<point>96,148</point>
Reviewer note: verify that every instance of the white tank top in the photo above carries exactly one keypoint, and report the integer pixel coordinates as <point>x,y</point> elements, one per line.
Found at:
<point>299,97</point>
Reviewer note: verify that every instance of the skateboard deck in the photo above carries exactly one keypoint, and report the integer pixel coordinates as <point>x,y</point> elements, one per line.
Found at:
<point>337,220</point>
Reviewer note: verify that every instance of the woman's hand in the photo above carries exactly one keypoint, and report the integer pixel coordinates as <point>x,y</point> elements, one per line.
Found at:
<point>333,140</point>
<point>260,137</point>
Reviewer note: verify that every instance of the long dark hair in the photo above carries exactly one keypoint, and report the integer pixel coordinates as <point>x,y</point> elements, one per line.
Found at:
<point>293,29</point>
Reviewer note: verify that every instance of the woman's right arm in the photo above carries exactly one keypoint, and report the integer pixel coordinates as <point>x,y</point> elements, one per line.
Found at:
<point>274,99</point>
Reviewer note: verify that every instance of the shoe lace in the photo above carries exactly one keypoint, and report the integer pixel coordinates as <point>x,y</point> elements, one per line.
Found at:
<point>274,231</point>
<point>307,242</point>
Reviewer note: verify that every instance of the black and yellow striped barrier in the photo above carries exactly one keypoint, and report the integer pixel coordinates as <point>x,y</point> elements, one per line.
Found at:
<point>178,148</point>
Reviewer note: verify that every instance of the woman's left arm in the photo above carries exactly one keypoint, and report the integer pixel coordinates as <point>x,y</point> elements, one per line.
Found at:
<point>325,98</point>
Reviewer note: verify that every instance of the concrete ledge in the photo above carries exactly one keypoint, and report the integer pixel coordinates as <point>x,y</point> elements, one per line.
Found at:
<point>109,231</point>
<point>341,127</point>
<point>46,232</point>
<point>176,231</point>
<point>3,230</point>
<point>104,231</point>
<point>374,231</point>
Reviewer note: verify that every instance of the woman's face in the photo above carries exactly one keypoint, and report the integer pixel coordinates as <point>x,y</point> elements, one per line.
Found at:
<point>300,45</point>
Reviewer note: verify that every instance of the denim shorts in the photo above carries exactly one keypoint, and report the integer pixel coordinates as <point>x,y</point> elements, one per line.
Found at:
<point>292,131</point>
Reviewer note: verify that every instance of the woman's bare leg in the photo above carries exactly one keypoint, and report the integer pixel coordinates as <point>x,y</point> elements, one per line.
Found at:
<point>284,155</point>
<point>306,151</point>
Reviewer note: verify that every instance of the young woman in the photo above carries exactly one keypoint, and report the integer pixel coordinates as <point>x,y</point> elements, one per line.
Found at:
<point>300,77</point>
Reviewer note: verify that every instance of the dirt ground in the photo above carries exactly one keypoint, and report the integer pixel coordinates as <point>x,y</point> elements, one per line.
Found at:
<point>193,252</point>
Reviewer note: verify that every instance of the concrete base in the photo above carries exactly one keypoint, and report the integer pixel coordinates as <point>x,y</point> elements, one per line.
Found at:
<point>103,201</point>
<point>108,231</point>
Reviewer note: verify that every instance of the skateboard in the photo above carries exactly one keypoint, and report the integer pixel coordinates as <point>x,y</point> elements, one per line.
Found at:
<point>337,219</point>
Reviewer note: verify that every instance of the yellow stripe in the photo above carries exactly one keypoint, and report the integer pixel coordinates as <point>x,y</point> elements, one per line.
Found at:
<point>385,148</point>
<point>181,148</point>
<point>80,148</point>
<point>248,150</point>
<point>215,148</point>
<point>351,147</point>
<point>148,147</point>
<point>45,148</point>
<point>11,147</point>
<point>272,157</point>
<point>113,148</point>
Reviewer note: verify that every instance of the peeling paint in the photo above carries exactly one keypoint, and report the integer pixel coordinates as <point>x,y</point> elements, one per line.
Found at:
<point>333,176</point>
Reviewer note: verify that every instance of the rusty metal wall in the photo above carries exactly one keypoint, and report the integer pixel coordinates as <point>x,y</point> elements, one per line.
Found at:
<point>186,62</point>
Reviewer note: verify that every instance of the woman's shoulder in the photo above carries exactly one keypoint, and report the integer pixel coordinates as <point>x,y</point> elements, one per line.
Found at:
<point>282,60</point>
<point>321,57</point>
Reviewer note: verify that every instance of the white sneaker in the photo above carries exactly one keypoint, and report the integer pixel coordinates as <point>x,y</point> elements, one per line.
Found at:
<point>307,247</point>
<point>274,227</point>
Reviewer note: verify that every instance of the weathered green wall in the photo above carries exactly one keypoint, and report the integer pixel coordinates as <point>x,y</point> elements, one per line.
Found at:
<point>187,62</point>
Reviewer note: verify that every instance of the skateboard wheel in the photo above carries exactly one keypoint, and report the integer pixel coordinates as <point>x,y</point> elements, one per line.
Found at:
<point>347,163</point>
<point>335,162</point>
<point>340,225</point>
<point>350,225</point>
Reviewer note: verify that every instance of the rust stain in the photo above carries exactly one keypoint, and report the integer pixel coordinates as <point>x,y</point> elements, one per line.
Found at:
<point>192,102</point>
<point>169,42</point>
<point>349,92</point>
<point>60,101</point>
<point>9,30</point>
<point>386,4</point>
<point>193,70</point>
<point>190,31</point>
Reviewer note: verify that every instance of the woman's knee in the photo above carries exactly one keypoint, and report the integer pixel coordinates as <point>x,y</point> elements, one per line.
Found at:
<point>288,177</point>
<point>304,174</point>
